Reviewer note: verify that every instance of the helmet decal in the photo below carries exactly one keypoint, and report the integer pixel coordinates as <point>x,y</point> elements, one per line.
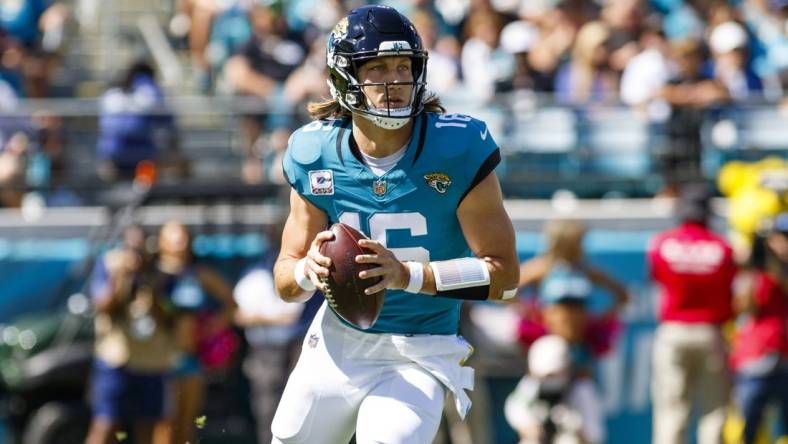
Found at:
<point>340,30</point>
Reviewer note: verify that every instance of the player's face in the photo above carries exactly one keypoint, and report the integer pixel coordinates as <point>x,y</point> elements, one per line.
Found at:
<point>391,71</point>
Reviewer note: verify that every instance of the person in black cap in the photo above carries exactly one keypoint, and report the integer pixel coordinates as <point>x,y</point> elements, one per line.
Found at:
<point>694,268</point>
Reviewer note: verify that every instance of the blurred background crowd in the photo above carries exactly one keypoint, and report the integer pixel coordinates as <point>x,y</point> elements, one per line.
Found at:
<point>644,166</point>
<point>637,95</point>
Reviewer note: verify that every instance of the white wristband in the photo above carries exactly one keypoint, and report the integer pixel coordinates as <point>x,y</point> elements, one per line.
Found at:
<point>508,294</point>
<point>459,273</point>
<point>300,276</point>
<point>416,280</point>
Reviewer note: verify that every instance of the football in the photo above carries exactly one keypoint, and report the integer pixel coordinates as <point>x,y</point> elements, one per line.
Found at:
<point>345,292</point>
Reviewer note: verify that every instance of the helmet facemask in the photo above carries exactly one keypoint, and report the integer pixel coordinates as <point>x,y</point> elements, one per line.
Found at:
<point>344,59</point>
<point>351,94</point>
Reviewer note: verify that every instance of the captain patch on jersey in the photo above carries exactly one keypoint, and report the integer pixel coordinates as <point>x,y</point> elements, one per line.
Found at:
<point>321,182</point>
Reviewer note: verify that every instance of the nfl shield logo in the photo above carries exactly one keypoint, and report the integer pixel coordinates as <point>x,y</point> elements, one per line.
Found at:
<point>379,187</point>
<point>313,338</point>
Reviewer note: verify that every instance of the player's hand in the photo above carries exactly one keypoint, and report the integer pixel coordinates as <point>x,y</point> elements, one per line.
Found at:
<point>316,267</point>
<point>395,274</point>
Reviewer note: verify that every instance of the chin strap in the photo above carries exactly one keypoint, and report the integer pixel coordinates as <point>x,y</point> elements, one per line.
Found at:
<point>389,123</point>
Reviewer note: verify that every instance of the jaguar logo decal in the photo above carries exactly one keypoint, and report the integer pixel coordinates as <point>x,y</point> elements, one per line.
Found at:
<point>340,30</point>
<point>438,181</point>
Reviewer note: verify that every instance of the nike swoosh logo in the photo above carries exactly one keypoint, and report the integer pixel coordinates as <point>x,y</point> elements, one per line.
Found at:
<point>483,133</point>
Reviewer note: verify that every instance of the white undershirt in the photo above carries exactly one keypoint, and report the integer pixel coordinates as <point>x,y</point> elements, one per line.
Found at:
<point>381,165</point>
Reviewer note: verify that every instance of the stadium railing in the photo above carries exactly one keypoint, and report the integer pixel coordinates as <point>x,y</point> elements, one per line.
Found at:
<point>593,151</point>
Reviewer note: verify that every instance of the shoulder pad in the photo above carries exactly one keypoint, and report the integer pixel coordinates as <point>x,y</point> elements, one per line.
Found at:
<point>306,144</point>
<point>458,133</point>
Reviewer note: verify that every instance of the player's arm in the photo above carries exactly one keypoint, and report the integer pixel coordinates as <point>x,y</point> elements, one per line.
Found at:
<point>490,234</point>
<point>300,263</point>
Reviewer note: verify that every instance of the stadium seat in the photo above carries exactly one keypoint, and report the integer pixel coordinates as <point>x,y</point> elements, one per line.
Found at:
<point>747,134</point>
<point>616,143</point>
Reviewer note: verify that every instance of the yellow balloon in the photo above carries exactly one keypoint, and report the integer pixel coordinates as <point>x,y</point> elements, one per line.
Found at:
<point>749,207</point>
<point>730,177</point>
<point>737,176</point>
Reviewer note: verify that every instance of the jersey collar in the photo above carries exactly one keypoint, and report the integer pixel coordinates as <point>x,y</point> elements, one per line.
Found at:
<point>398,182</point>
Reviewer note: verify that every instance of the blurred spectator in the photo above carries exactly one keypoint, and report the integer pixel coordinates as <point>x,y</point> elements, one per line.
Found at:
<point>518,39</point>
<point>214,30</point>
<point>760,348</point>
<point>694,269</point>
<point>134,124</point>
<point>308,82</point>
<point>260,70</point>
<point>483,62</point>
<point>646,74</point>
<point>550,404</point>
<point>557,30</point>
<point>313,18</point>
<point>766,19</point>
<point>272,331</point>
<point>193,20</point>
<point>12,56</point>
<point>38,25</point>
<point>718,12</point>
<point>205,307</point>
<point>625,18</point>
<point>31,21</point>
<point>565,281</point>
<point>683,20</point>
<point>730,62</point>
<point>443,75</point>
<point>690,93</point>
<point>135,343</point>
<point>587,76</point>
<point>13,169</point>
<point>50,138</point>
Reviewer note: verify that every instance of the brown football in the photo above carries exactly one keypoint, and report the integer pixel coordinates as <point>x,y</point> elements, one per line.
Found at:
<point>345,292</point>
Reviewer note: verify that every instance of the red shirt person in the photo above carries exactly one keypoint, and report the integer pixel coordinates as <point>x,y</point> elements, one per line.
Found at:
<point>694,268</point>
<point>760,348</point>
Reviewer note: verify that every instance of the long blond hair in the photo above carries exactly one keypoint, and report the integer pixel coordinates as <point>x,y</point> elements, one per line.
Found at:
<point>331,109</point>
<point>590,37</point>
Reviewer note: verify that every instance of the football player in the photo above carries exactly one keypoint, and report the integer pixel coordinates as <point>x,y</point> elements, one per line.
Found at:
<point>382,156</point>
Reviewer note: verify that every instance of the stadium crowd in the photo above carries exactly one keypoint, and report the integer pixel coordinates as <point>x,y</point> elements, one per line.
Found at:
<point>675,62</point>
<point>672,61</point>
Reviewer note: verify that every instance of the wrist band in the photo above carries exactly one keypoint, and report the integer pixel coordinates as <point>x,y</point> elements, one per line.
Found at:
<point>455,274</point>
<point>508,294</point>
<point>300,276</point>
<point>416,280</point>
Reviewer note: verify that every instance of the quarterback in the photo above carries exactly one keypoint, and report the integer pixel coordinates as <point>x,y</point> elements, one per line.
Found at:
<point>383,157</point>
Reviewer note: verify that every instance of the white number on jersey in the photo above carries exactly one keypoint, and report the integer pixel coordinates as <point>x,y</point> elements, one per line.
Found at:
<point>458,120</point>
<point>380,223</point>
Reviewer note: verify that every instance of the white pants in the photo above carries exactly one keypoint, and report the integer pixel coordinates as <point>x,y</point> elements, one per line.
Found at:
<point>347,381</point>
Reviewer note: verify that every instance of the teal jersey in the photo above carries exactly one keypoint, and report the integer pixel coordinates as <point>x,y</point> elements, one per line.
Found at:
<point>411,209</point>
